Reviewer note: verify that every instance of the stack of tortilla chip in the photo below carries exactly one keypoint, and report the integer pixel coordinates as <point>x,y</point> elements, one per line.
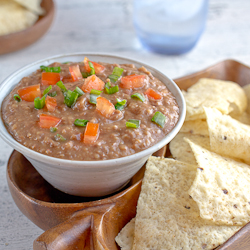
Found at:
<point>199,199</point>
<point>17,15</point>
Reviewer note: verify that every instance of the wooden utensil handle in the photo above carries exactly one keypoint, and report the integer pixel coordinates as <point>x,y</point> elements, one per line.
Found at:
<point>72,234</point>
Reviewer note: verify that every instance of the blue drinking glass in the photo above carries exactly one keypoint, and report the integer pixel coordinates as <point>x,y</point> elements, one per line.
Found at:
<point>169,26</point>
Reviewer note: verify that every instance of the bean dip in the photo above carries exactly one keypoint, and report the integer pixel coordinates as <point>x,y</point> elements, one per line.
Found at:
<point>89,111</point>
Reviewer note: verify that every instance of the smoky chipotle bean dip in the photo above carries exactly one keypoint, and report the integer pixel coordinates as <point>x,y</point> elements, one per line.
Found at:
<point>89,111</point>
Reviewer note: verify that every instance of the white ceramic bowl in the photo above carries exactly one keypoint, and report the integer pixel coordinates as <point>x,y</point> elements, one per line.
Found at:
<point>88,178</point>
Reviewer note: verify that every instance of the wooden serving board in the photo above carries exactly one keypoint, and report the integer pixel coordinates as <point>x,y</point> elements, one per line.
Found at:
<point>83,223</point>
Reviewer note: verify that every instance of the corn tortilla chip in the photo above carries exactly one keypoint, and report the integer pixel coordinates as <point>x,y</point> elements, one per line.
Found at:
<point>167,217</point>
<point>14,17</point>
<point>246,89</point>
<point>225,96</point>
<point>228,136</point>
<point>181,150</point>
<point>126,236</point>
<point>198,127</point>
<point>32,5</point>
<point>221,188</point>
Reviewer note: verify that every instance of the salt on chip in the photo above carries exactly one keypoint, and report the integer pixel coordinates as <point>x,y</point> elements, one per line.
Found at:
<point>198,127</point>
<point>126,236</point>
<point>225,96</point>
<point>228,136</point>
<point>14,17</point>
<point>221,188</point>
<point>167,217</point>
<point>181,150</point>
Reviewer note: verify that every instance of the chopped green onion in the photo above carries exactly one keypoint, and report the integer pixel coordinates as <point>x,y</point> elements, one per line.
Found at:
<point>159,119</point>
<point>81,122</point>
<point>107,85</point>
<point>112,90</point>
<point>59,137</point>
<point>46,91</point>
<point>39,103</point>
<point>95,92</point>
<point>133,123</point>
<point>139,96</point>
<point>116,74</point>
<point>17,98</point>
<point>70,98</point>
<point>61,86</point>
<point>85,74</point>
<point>78,91</point>
<point>92,98</point>
<point>92,72</point>
<point>53,129</point>
<point>51,69</point>
<point>52,94</point>
<point>120,105</point>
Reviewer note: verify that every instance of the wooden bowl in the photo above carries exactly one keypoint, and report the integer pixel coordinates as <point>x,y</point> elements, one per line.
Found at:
<point>24,38</point>
<point>92,224</point>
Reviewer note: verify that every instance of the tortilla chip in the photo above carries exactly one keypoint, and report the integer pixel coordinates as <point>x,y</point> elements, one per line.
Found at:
<point>198,127</point>
<point>221,188</point>
<point>243,118</point>
<point>14,17</point>
<point>126,236</point>
<point>167,217</point>
<point>246,89</point>
<point>181,150</point>
<point>228,136</point>
<point>225,96</point>
<point>32,5</point>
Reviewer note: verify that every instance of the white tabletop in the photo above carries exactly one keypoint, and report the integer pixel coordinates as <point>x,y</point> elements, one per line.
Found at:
<point>106,26</point>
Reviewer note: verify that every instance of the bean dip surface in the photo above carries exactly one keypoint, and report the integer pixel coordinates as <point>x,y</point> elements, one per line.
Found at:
<point>52,129</point>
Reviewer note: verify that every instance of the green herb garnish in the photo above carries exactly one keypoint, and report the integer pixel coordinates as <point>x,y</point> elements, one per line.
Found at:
<point>39,103</point>
<point>53,129</point>
<point>95,92</point>
<point>116,74</point>
<point>17,98</point>
<point>70,98</point>
<point>133,123</point>
<point>78,91</point>
<point>59,137</point>
<point>159,119</point>
<point>51,69</point>
<point>81,122</point>
<point>138,96</point>
<point>47,90</point>
<point>61,86</point>
<point>120,105</point>
<point>85,74</point>
<point>52,94</point>
<point>112,90</point>
<point>92,72</point>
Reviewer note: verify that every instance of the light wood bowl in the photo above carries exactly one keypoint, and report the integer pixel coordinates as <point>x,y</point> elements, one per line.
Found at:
<point>92,224</point>
<point>24,38</point>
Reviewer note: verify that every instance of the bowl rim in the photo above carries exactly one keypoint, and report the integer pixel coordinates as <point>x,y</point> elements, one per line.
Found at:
<point>64,163</point>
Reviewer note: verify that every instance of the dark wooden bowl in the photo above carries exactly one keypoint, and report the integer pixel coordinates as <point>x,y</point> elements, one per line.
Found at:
<point>24,38</point>
<point>92,224</point>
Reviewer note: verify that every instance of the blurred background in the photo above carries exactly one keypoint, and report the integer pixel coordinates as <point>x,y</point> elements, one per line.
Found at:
<point>106,26</point>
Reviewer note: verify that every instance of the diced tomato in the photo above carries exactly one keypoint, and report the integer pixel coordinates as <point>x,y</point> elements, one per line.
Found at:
<point>92,82</point>
<point>48,121</point>
<point>50,78</point>
<point>98,67</point>
<point>91,133</point>
<point>104,106</point>
<point>50,103</point>
<point>153,94</point>
<point>132,81</point>
<point>75,73</point>
<point>30,93</point>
